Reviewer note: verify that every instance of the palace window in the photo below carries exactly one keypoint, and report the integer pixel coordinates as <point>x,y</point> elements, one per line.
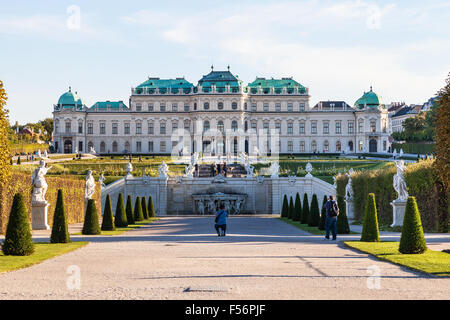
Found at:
<point>373,126</point>
<point>278,127</point>
<point>127,128</point>
<point>338,127</point>
<point>174,126</point>
<point>220,105</point>
<point>102,147</point>
<point>186,108</point>
<point>114,146</point>
<point>290,107</point>
<point>290,146</point>
<point>253,107</point>
<point>68,126</point>
<point>80,127</point>
<point>115,128</point>
<point>278,107</point>
<point>138,146</point>
<point>162,128</point>
<point>245,105</point>
<point>150,128</point>
<point>266,107</point>
<point>187,125</point>
<point>350,127</point>
<point>220,126</point>
<point>302,146</point>
<point>314,127</point>
<point>102,128</point>
<point>150,146</point>
<point>326,127</point>
<point>138,107</point>
<point>384,145</point>
<point>290,128</point>
<point>206,105</point>
<point>162,146</point>
<point>138,128</point>
<point>338,146</point>
<point>90,128</point>
<point>206,126</point>
<point>234,125</point>
<point>266,127</point>
<point>361,145</point>
<point>326,146</point>
<point>302,107</point>
<point>314,146</point>
<point>174,107</point>
<point>162,107</point>
<point>254,126</point>
<point>302,127</point>
<point>360,126</point>
<point>234,105</point>
<point>150,107</point>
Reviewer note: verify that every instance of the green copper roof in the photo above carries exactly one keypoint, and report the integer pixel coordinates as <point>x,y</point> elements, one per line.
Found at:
<point>277,84</point>
<point>220,79</point>
<point>369,99</point>
<point>70,99</point>
<point>154,83</point>
<point>109,104</point>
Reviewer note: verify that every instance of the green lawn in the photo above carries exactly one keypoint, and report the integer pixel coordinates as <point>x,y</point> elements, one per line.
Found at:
<point>119,231</point>
<point>433,262</point>
<point>43,251</point>
<point>305,227</point>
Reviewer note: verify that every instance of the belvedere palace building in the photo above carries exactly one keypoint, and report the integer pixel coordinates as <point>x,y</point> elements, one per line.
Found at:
<point>218,116</point>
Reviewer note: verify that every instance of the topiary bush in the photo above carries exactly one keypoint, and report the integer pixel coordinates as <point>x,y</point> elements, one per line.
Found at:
<point>60,229</point>
<point>323,214</point>
<point>285,208</point>
<point>18,160</point>
<point>138,215</point>
<point>144,208</point>
<point>297,208</point>
<point>91,225</point>
<point>370,225</point>
<point>18,240</point>
<point>151,208</point>
<point>305,209</point>
<point>129,211</point>
<point>108,220</point>
<point>314,216</point>
<point>291,209</point>
<point>412,239</point>
<point>120,218</point>
<point>342,221</point>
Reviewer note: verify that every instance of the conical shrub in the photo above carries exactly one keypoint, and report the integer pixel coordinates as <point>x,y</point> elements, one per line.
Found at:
<point>138,215</point>
<point>18,240</point>
<point>285,208</point>
<point>120,218</point>
<point>291,209</point>
<point>342,221</point>
<point>129,210</point>
<point>18,160</point>
<point>151,208</point>
<point>297,208</point>
<point>144,208</point>
<point>314,215</point>
<point>370,224</point>
<point>412,240</point>
<point>91,225</point>
<point>60,229</point>
<point>108,220</point>
<point>323,214</point>
<point>305,209</point>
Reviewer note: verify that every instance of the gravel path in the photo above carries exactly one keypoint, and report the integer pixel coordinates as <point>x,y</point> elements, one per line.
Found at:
<point>182,258</point>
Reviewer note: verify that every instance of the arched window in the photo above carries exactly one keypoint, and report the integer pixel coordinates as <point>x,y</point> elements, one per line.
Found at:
<point>220,126</point>
<point>338,146</point>
<point>350,145</point>
<point>206,105</point>
<point>102,146</point>
<point>326,146</point>
<point>373,125</point>
<point>361,145</point>
<point>234,125</point>
<point>127,147</point>
<point>314,146</point>
<point>234,105</point>
<point>220,105</point>
<point>114,146</point>
<point>205,126</point>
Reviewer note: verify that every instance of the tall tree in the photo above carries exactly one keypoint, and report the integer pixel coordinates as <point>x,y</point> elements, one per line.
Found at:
<point>443,136</point>
<point>5,164</point>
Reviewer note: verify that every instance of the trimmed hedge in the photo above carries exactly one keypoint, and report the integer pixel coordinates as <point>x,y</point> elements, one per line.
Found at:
<point>138,215</point>
<point>370,226</point>
<point>18,240</point>
<point>314,216</point>
<point>91,226</point>
<point>412,239</point>
<point>291,209</point>
<point>285,208</point>
<point>305,209</point>
<point>120,218</point>
<point>297,208</point>
<point>151,208</point>
<point>323,214</point>
<point>342,221</point>
<point>144,208</point>
<point>108,220</point>
<point>60,228</point>
<point>129,211</point>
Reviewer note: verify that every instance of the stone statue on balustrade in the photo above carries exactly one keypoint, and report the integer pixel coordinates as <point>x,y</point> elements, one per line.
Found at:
<point>39,184</point>
<point>309,169</point>
<point>349,186</point>
<point>274,170</point>
<point>399,181</point>
<point>163,169</point>
<point>201,207</point>
<point>129,168</point>
<point>101,179</point>
<point>90,185</point>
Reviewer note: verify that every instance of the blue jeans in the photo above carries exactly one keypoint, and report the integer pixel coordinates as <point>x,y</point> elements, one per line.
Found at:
<point>331,223</point>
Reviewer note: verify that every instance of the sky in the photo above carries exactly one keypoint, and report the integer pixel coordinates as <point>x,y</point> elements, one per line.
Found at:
<point>338,49</point>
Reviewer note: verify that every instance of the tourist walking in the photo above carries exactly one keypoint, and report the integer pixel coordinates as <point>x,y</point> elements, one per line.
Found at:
<point>332,212</point>
<point>221,221</point>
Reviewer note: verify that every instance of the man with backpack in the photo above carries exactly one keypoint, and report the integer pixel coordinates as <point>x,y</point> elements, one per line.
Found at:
<point>221,221</point>
<point>332,212</point>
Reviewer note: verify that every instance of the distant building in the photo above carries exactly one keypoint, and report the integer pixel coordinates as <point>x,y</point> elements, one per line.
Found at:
<point>427,105</point>
<point>396,120</point>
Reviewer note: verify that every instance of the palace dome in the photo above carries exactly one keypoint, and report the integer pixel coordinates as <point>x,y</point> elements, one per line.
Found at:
<point>369,99</point>
<point>70,99</point>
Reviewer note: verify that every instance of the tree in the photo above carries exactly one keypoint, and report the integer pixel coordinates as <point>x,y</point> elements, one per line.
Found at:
<point>442,162</point>
<point>144,208</point>
<point>412,239</point>
<point>323,214</point>
<point>285,208</point>
<point>297,208</point>
<point>108,220</point>
<point>18,160</point>
<point>18,240</point>
<point>47,128</point>
<point>370,224</point>
<point>91,225</point>
<point>5,163</point>
<point>342,221</point>
<point>305,211</point>
<point>129,211</point>
<point>60,229</point>
<point>120,218</point>
<point>314,215</point>
<point>151,208</point>
<point>138,215</point>
<point>291,208</point>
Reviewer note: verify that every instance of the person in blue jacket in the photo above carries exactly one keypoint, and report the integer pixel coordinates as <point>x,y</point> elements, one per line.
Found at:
<point>221,221</point>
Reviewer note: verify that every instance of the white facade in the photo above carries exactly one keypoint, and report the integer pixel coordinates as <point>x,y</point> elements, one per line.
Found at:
<point>248,116</point>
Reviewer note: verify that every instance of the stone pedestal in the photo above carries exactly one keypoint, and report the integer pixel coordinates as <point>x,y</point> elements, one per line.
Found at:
<point>398,207</point>
<point>350,209</point>
<point>39,213</point>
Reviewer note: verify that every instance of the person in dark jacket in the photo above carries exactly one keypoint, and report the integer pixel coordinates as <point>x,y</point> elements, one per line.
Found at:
<point>221,221</point>
<point>332,211</point>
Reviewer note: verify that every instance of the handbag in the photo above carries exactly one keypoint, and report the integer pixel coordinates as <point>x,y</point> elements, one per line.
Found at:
<point>217,218</point>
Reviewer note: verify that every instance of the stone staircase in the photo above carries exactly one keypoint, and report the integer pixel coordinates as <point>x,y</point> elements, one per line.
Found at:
<point>234,170</point>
